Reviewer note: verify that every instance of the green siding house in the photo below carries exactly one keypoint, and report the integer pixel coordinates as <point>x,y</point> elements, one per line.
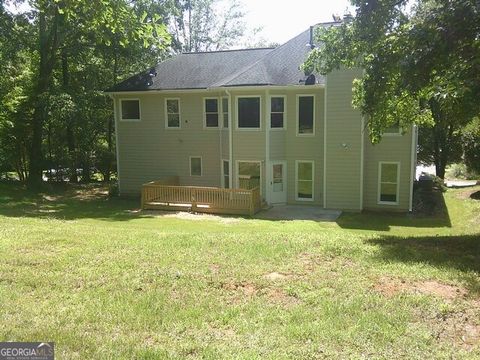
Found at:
<point>243,118</point>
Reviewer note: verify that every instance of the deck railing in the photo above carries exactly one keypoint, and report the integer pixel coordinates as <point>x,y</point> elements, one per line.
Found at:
<point>157,195</point>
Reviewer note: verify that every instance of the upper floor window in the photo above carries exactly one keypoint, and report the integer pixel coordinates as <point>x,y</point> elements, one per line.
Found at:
<point>225,112</point>
<point>172,113</point>
<point>249,112</point>
<point>130,109</point>
<point>394,129</point>
<point>306,115</point>
<point>388,182</point>
<point>277,112</point>
<point>211,112</point>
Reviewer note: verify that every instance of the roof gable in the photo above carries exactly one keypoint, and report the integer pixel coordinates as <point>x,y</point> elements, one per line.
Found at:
<point>247,67</point>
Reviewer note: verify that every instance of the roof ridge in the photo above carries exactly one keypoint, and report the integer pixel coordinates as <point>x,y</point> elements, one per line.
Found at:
<point>248,67</point>
<point>227,50</point>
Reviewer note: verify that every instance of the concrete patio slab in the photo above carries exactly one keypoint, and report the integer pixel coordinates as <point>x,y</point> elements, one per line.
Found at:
<point>298,212</point>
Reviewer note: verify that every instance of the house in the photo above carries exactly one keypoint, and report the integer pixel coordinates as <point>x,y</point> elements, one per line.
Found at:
<point>245,118</point>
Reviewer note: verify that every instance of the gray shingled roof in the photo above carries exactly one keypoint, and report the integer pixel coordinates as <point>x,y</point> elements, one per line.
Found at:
<point>267,66</point>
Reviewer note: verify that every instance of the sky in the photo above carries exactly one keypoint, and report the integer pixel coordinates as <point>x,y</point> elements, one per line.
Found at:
<point>282,20</point>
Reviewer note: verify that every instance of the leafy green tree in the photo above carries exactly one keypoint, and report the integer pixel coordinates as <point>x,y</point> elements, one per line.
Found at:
<point>420,67</point>
<point>54,19</point>
<point>206,25</point>
<point>471,146</point>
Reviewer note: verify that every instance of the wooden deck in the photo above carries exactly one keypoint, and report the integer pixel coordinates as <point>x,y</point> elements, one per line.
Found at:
<point>168,195</point>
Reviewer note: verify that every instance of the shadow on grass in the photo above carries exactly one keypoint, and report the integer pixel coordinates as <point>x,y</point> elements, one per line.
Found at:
<point>454,252</point>
<point>430,211</point>
<point>66,202</point>
<point>475,195</point>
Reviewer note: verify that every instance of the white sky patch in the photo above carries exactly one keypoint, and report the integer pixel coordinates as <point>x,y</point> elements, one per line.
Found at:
<point>282,20</point>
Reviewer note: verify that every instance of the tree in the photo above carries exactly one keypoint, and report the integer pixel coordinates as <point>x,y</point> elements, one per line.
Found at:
<point>421,67</point>
<point>206,25</point>
<point>471,146</point>
<point>53,20</point>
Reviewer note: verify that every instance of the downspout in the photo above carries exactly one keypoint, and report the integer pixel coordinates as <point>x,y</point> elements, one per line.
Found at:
<point>267,146</point>
<point>220,134</point>
<point>362,161</point>
<point>325,146</point>
<point>230,139</point>
<point>413,159</point>
<point>117,144</point>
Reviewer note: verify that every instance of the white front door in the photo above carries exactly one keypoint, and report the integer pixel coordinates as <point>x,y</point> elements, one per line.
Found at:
<point>278,182</point>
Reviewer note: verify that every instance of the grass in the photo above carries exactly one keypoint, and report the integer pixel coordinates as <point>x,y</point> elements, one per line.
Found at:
<point>105,282</point>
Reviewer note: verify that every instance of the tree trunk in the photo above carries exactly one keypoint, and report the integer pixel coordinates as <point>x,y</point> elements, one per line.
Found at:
<point>48,43</point>
<point>72,174</point>
<point>110,124</point>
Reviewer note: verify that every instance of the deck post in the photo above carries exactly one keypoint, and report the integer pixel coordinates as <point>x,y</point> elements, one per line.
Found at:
<point>252,207</point>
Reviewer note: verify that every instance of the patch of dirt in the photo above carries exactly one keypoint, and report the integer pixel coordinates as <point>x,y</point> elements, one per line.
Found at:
<point>247,291</point>
<point>184,215</point>
<point>441,290</point>
<point>88,194</point>
<point>311,262</point>
<point>460,328</point>
<point>51,197</point>
<point>468,194</point>
<point>390,287</point>
<point>458,325</point>
<point>214,268</point>
<point>280,296</point>
<point>274,276</point>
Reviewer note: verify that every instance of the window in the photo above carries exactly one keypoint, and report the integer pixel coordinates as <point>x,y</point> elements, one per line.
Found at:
<point>172,113</point>
<point>225,112</point>
<point>211,113</point>
<point>226,174</point>
<point>393,129</point>
<point>195,166</point>
<point>130,109</point>
<point>306,117</point>
<point>249,173</point>
<point>388,181</point>
<point>277,111</point>
<point>249,112</point>
<point>304,180</point>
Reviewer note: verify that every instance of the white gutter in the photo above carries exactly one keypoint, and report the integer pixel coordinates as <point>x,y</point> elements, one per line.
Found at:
<point>230,139</point>
<point>217,88</point>
<point>325,147</point>
<point>267,145</point>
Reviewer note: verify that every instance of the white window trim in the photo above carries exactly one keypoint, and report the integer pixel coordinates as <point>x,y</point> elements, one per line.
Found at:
<point>205,127</point>
<point>395,134</point>
<point>222,113</point>
<point>236,113</point>
<point>139,110</point>
<point>379,185</point>
<point>297,114</point>
<point>284,113</point>
<point>296,180</point>
<point>179,115</point>
<point>222,180</point>
<point>237,173</point>
<point>190,165</point>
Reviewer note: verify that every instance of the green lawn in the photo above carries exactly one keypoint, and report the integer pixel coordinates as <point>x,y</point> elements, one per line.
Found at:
<point>105,282</point>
